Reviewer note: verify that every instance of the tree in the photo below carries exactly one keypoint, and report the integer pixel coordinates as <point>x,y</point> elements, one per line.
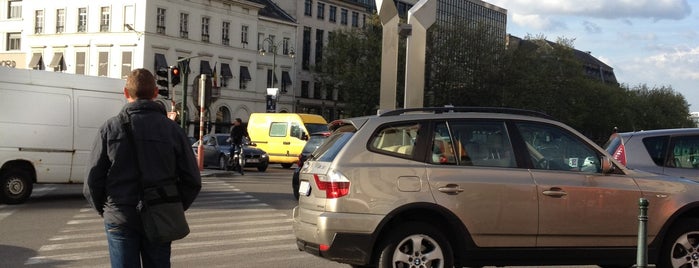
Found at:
<point>351,64</point>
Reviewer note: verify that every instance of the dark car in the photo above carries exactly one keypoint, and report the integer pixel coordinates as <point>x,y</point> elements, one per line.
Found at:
<point>217,151</point>
<point>314,141</point>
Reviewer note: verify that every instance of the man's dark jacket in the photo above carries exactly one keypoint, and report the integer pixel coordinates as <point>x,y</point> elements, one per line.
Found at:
<point>112,183</point>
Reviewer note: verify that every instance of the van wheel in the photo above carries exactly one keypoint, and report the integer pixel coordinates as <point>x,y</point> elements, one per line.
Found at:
<point>16,186</point>
<point>285,165</point>
<point>416,244</point>
<point>681,245</point>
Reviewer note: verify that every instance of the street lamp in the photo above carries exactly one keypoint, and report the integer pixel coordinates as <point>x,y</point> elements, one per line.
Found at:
<point>273,91</point>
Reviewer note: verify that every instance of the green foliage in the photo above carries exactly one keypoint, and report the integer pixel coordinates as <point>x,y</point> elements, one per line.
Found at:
<point>467,68</point>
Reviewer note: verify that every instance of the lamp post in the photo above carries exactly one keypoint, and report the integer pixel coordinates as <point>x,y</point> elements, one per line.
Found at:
<point>273,91</point>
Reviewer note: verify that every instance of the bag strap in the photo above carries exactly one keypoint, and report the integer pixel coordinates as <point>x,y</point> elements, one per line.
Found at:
<point>125,120</point>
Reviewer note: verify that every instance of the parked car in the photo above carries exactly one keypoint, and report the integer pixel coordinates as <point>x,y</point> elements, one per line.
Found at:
<point>314,141</point>
<point>672,152</point>
<point>454,187</point>
<point>217,151</point>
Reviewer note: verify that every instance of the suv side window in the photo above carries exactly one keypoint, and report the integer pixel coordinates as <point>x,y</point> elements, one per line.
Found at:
<point>685,152</point>
<point>472,144</point>
<point>278,129</point>
<point>555,149</point>
<point>657,149</point>
<point>395,139</point>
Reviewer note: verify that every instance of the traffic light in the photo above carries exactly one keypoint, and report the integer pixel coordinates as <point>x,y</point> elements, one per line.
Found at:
<point>164,92</point>
<point>174,75</point>
<point>162,77</point>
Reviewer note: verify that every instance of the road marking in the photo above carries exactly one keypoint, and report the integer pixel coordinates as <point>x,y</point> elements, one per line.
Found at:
<point>223,221</point>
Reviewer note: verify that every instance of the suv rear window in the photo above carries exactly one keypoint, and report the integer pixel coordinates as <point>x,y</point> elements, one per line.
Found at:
<point>332,146</point>
<point>395,139</point>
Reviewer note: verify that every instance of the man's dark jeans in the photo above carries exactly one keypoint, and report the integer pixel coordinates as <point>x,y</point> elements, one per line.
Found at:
<point>128,248</point>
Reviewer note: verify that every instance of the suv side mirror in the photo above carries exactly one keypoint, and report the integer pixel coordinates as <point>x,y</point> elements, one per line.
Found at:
<point>607,165</point>
<point>304,136</point>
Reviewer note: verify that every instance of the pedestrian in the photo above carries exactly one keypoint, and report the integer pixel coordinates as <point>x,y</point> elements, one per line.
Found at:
<point>238,134</point>
<point>113,183</point>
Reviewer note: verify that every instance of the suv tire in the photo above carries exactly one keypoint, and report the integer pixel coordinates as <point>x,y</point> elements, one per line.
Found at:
<point>681,244</point>
<point>399,249</point>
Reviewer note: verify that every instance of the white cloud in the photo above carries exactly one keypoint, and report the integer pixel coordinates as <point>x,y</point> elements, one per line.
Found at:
<point>537,22</point>
<point>591,27</point>
<point>609,9</point>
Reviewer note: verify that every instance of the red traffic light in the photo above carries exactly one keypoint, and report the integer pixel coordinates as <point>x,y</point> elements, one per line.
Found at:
<point>174,76</point>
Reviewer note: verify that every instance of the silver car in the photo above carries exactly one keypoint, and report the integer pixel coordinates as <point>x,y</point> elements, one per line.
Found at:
<point>672,152</point>
<point>453,187</point>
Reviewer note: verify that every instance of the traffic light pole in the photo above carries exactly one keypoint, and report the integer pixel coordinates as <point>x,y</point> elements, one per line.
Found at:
<point>184,66</point>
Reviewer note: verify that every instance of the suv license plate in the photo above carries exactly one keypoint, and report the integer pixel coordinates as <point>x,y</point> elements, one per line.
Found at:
<point>304,188</point>
<point>252,160</point>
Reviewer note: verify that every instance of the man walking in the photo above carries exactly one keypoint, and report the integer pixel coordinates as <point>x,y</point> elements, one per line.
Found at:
<point>113,184</point>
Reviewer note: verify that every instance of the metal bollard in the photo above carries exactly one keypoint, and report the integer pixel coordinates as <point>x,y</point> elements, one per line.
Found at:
<point>642,251</point>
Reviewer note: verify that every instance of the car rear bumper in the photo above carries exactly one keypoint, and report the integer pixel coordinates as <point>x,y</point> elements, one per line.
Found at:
<point>332,230</point>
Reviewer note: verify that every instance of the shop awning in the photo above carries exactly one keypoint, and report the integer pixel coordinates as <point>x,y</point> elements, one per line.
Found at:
<point>36,63</point>
<point>160,62</point>
<point>244,74</point>
<point>205,68</point>
<point>226,70</point>
<point>58,62</point>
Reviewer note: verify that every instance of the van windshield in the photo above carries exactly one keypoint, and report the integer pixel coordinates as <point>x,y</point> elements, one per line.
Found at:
<point>314,128</point>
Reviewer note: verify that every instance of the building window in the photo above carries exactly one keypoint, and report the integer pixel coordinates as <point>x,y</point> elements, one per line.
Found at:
<point>205,29</point>
<point>14,10</point>
<point>184,25</point>
<point>82,20</point>
<point>271,78</point>
<point>126,63</point>
<point>332,16</point>
<point>319,47</point>
<point>271,44</point>
<point>60,20</point>
<point>317,87</point>
<point>355,19</point>
<point>260,41</point>
<point>306,56</point>
<point>285,45</point>
<point>104,19</point>
<point>103,69</point>
<point>38,21</point>
<point>321,11</point>
<point>14,41</point>
<point>244,35</point>
<point>129,17</point>
<point>343,16</point>
<point>80,63</point>
<point>308,8</point>
<point>304,89</point>
<point>160,21</point>
<point>225,30</point>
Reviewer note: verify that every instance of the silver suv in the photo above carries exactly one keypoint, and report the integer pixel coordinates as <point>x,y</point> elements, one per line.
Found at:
<point>445,187</point>
<point>673,152</point>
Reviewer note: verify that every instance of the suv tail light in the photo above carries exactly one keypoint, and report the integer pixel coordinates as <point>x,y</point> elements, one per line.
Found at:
<point>334,184</point>
<point>620,154</point>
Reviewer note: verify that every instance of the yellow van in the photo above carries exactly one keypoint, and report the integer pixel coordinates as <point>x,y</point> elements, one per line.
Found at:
<point>283,135</point>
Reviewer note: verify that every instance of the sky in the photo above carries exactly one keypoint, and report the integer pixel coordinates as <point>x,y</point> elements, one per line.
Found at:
<point>652,42</point>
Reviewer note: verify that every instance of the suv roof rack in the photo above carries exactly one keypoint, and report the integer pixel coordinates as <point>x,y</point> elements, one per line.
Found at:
<point>468,109</point>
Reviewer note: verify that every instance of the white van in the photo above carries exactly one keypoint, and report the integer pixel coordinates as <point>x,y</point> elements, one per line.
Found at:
<point>48,122</point>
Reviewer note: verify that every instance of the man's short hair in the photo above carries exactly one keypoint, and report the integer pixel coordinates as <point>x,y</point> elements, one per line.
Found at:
<point>239,120</point>
<point>141,84</point>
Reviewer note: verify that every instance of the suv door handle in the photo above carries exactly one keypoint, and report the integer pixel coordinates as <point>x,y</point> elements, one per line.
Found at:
<point>555,192</point>
<point>451,189</point>
<point>287,142</point>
